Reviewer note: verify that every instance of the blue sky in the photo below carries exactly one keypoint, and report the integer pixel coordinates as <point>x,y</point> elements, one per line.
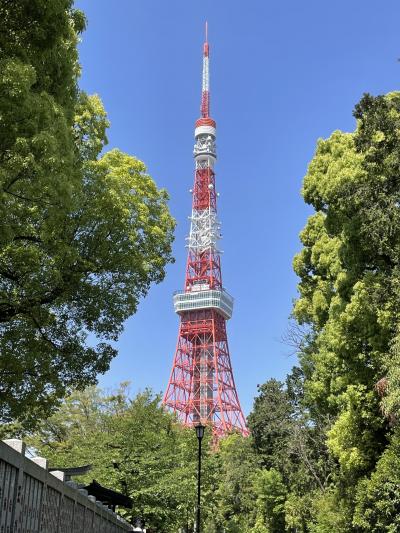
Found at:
<point>283,74</point>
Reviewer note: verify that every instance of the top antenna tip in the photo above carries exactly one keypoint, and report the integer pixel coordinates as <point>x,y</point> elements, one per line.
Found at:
<point>205,46</point>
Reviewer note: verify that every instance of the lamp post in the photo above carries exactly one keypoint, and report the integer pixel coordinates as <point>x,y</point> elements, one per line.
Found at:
<point>200,434</point>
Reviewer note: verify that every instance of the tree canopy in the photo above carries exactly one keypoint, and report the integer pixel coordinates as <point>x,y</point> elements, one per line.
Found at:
<point>135,447</point>
<point>349,280</point>
<point>139,449</point>
<point>83,232</point>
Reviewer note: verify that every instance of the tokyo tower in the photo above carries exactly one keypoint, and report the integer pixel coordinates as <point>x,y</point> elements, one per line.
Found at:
<point>201,387</point>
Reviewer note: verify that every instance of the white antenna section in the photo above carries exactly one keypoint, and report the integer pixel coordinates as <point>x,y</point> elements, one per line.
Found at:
<point>206,75</point>
<point>205,231</point>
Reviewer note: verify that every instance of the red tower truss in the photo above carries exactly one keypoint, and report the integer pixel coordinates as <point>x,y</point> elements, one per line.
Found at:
<point>201,387</point>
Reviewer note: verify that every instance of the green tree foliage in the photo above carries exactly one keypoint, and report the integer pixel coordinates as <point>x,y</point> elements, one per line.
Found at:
<point>270,501</point>
<point>270,423</point>
<point>298,512</point>
<point>327,439</point>
<point>349,298</point>
<point>290,445</point>
<point>135,447</point>
<point>286,438</point>
<point>329,512</point>
<point>378,498</point>
<point>83,235</point>
<point>235,495</point>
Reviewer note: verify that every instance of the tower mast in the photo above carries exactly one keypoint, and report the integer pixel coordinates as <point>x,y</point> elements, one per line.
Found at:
<point>201,387</point>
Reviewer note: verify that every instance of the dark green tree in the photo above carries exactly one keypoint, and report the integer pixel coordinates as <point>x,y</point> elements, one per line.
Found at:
<point>235,495</point>
<point>270,423</point>
<point>290,444</point>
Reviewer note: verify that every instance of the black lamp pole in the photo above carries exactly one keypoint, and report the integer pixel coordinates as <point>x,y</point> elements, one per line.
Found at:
<point>200,434</point>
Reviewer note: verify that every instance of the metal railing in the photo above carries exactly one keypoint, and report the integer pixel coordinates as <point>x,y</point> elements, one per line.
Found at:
<point>218,299</point>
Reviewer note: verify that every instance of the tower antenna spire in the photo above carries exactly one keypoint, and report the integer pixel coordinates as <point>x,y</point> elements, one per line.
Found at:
<point>205,91</point>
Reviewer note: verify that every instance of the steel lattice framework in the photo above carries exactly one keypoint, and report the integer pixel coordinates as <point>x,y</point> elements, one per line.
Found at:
<point>201,387</point>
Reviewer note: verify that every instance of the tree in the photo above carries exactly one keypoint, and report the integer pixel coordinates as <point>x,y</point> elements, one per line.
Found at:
<point>378,498</point>
<point>270,503</point>
<point>135,447</point>
<point>270,423</point>
<point>349,298</point>
<point>83,235</point>
<point>235,496</point>
<point>287,438</point>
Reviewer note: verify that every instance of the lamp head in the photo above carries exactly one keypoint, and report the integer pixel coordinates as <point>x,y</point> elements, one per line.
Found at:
<point>199,430</point>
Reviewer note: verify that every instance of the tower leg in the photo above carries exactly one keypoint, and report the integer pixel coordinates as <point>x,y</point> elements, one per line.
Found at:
<point>201,387</point>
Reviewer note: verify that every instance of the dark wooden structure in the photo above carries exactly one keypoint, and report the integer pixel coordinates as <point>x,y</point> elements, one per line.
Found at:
<point>108,497</point>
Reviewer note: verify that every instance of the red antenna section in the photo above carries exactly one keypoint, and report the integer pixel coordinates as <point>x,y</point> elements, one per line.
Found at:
<point>201,387</point>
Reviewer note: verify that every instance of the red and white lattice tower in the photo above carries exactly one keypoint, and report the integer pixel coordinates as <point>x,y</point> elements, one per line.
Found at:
<point>201,387</point>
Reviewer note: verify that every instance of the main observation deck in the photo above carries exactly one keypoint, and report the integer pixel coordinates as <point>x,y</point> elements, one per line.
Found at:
<point>220,300</point>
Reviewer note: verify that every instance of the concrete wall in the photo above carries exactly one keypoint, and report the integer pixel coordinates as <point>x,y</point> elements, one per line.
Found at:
<point>33,500</point>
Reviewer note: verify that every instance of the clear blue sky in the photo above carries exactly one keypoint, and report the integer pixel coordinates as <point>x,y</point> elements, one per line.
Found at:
<point>283,74</point>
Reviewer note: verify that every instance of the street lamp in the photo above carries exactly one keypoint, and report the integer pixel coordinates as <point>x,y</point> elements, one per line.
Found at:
<point>200,434</point>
